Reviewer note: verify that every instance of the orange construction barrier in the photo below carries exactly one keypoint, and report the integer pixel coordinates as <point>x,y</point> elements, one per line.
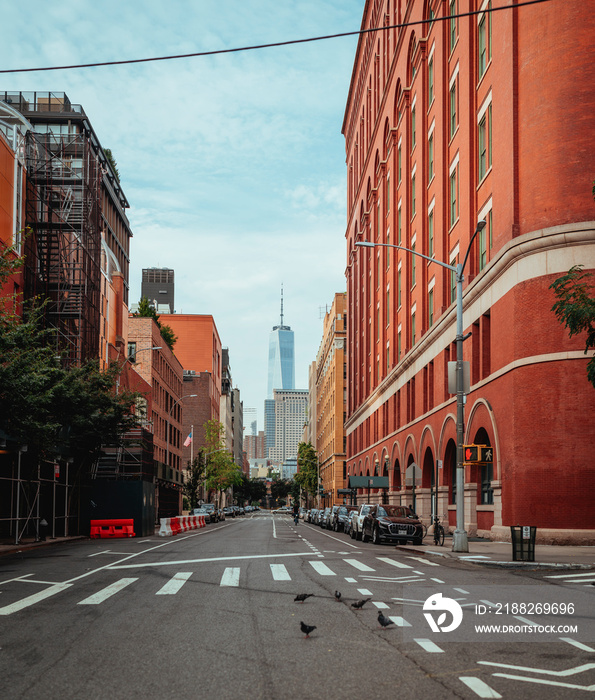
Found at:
<point>112,528</point>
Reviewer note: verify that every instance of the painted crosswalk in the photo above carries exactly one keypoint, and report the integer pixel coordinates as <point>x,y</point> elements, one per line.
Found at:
<point>231,576</point>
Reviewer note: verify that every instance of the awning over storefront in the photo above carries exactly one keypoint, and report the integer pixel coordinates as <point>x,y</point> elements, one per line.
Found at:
<point>368,482</point>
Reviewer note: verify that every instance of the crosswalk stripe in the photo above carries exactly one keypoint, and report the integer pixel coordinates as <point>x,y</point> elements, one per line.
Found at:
<point>425,561</point>
<point>280,573</point>
<point>399,621</point>
<point>358,565</point>
<point>231,576</point>
<point>174,585</point>
<point>379,605</point>
<point>107,592</point>
<point>322,569</point>
<point>429,646</point>
<point>35,598</point>
<point>364,591</point>
<point>394,562</point>
<point>479,687</point>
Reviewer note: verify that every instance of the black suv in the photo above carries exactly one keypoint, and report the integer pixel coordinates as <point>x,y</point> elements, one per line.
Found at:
<point>392,524</point>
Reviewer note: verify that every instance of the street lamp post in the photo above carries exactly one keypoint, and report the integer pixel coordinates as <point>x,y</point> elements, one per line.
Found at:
<point>460,541</point>
<point>187,396</point>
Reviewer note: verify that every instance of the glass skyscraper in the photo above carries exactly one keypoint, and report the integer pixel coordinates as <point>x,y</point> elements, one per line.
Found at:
<point>281,373</point>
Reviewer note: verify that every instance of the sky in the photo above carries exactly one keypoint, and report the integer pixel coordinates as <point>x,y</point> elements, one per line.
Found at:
<point>233,165</point>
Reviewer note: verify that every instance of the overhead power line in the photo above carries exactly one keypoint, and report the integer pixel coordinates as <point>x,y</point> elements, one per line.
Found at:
<point>276,44</point>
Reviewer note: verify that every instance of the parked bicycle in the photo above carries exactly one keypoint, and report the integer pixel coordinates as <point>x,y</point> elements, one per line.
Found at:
<point>438,532</point>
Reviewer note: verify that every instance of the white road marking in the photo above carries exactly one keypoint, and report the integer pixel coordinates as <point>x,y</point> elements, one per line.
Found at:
<point>350,580</point>
<point>175,583</point>
<point>358,565</point>
<point>231,577</point>
<point>280,573</point>
<point>380,606</point>
<point>568,575</point>
<point>321,568</point>
<point>425,561</point>
<point>438,580</point>
<point>18,578</point>
<point>473,556</point>
<point>394,562</point>
<point>578,645</point>
<point>200,561</point>
<point>105,551</point>
<point>546,672</point>
<point>364,591</point>
<point>35,598</point>
<point>107,592</point>
<point>480,688</point>
<point>399,621</point>
<point>429,646</point>
<point>461,590</point>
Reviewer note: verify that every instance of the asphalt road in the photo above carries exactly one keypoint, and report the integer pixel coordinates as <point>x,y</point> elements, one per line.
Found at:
<point>211,614</point>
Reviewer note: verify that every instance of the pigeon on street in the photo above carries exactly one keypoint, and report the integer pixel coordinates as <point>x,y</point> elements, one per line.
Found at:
<point>302,597</point>
<point>306,629</point>
<point>360,604</point>
<point>337,595</point>
<point>384,621</point>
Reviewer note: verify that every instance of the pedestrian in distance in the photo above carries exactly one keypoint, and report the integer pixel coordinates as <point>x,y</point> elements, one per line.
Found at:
<point>296,513</point>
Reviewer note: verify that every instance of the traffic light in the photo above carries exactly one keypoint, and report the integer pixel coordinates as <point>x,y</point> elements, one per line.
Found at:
<point>471,453</point>
<point>477,453</point>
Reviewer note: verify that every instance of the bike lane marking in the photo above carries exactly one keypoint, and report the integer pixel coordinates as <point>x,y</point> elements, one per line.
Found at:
<point>107,592</point>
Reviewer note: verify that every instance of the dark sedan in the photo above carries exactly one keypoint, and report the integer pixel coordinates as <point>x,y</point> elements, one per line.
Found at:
<point>392,524</point>
<point>341,517</point>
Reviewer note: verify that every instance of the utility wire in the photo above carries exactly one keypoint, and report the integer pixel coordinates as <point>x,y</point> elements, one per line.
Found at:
<point>275,44</point>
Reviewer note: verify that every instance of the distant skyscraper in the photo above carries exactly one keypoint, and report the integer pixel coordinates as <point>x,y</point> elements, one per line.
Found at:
<point>281,358</point>
<point>158,286</point>
<point>281,374</point>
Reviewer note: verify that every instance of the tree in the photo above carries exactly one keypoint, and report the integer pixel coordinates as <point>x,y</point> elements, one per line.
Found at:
<point>575,308</point>
<point>145,310</point>
<point>279,489</point>
<point>249,490</point>
<point>195,476</point>
<point>307,475</point>
<point>221,471</point>
<point>112,161</point>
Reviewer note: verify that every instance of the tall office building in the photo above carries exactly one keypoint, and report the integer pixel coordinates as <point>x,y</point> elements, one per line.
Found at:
<point>291,408</point>
<point>281,358</point>
<point>281,373</point>
<point>158,286</point>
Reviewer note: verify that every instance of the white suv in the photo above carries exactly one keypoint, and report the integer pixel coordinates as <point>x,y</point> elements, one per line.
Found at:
<point>357,520</point>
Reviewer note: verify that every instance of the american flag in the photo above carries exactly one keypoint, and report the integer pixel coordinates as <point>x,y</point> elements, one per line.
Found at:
<point>188,440</point>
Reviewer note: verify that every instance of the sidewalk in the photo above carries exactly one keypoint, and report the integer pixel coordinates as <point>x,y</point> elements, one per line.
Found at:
<point>28,543</point>
<point>488,553</point>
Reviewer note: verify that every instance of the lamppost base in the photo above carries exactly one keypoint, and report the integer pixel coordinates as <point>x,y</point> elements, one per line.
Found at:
<point>460,543</point>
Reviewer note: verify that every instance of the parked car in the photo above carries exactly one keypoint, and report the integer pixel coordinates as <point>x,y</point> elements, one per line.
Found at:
<point>357,519</point>
<point>341,517</point>
<point>314,515</point>
<point>213,511</point>
<point>391,524</point>
<point>330,525</point>
<point>324,516</point>
<point>282,510</point>
<point>229,512</point>
<point>203,511</point>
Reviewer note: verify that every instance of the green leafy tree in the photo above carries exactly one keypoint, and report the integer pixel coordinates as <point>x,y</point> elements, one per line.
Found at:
<point>112,161</point>
<point>221,471</point>
<point>307,475</point>
<point>195,476</point>
<point>145,310</point>
<point>575,308</point>
<point>280,488</point>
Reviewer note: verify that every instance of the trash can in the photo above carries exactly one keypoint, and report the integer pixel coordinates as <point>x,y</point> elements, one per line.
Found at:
<point>523,542</point>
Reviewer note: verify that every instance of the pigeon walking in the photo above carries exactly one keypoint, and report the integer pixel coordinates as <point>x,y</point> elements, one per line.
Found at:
<point>384,621</point>
<point>306,629</point>
<point>302,597</point>
<point>360,603</point>
<point>337,595</point>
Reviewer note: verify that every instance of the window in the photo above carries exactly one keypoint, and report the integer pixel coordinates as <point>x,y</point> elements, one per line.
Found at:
<point>399,163</point>
<point>431,81</point>
<point>453,108</point>
<point>453,191</point>
<point>399,344</point>
<point>413,259</point>
<point>413,194</point>
<point>413,327</point>
<point>387,307</point>
<point>387,250</point>
<point>378,218</point>
<point>431,233</point>
<point>484,141</point>
<point>487,474</point>
<point>399,227</point>
<point>484,42</point>
<point>430,307</point>
<point>453,281</point>
<point>387,193</point>
<point>431,157</point>
<point>413,127</point>
<point>132,351</point>
<point>452,33</point>
<point>483,253</point>
<point>399,288</point>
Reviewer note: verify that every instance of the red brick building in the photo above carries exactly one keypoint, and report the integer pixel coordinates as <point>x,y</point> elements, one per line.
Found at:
<point>450,120</point>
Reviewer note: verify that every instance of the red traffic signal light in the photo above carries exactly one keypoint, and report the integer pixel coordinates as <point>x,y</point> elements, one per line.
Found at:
<point>471,453</point>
